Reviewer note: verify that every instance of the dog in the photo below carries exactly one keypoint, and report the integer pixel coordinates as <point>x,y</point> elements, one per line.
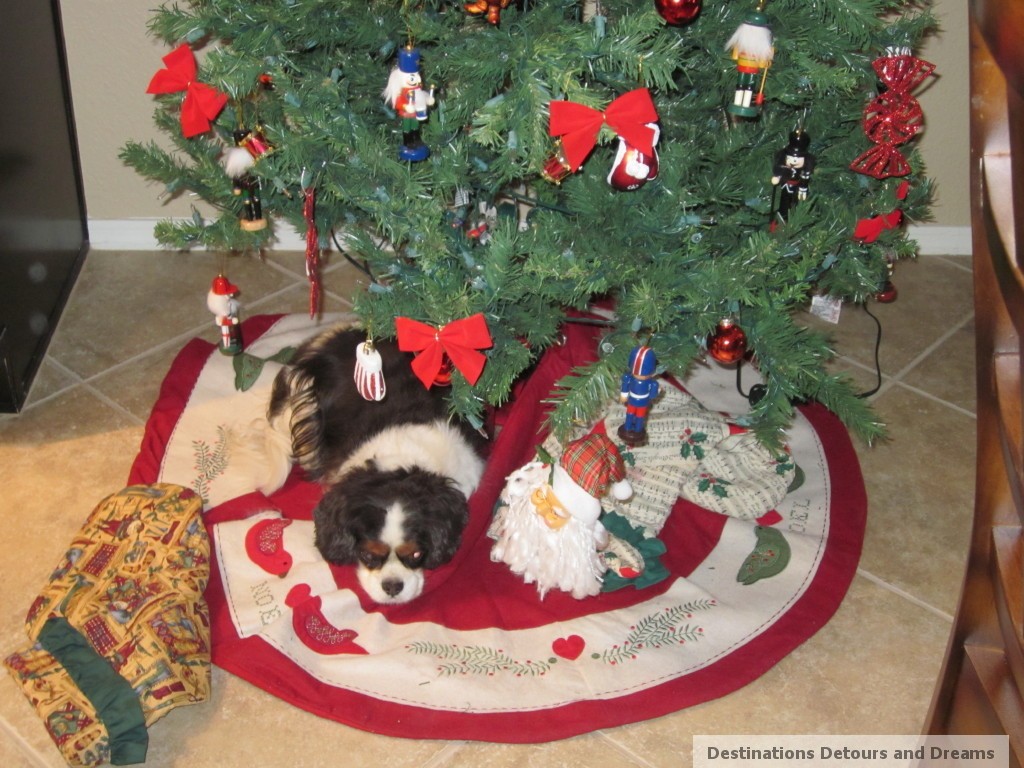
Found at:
<point>397,473</point>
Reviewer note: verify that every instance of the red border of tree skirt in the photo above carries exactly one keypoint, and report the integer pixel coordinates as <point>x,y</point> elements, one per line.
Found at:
<point>258,662</point>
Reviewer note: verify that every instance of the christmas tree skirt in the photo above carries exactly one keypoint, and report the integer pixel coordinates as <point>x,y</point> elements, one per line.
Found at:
<point>480,655</point>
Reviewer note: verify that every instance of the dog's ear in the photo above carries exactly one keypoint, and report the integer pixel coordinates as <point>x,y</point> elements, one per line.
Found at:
<point>280,393</point>
<point>446,512</point>
<point>334,534</point>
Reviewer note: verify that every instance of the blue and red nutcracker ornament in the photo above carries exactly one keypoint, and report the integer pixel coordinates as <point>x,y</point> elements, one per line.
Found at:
<point>405,94</point>
<point>639,389</point>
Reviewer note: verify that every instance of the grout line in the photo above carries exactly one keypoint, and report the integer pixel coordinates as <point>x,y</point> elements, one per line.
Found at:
<point>904,594</point>
<point>958,262</point>
<point>24,748</point>
<point>932,347</point>
<point>114,404</point>
<point>936,399</point>
<point>444,755</point>
<point>626,751</point>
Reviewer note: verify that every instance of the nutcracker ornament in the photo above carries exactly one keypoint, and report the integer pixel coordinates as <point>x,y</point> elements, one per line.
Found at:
<point>239,162</point>
<point>791,173</point>
<point>404,92</point>
<point>221,301</point>
<point>639,389</point>
<point>752,48</point>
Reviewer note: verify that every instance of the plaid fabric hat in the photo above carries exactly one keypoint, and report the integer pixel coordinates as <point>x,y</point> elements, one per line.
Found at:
<point>593,462</point>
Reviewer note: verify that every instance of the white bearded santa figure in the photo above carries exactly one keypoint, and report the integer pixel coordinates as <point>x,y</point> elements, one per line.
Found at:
<point>549,533</point>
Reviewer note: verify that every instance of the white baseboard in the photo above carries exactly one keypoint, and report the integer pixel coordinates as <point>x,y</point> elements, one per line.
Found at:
<point>941,241</point>
<point>137,235</point>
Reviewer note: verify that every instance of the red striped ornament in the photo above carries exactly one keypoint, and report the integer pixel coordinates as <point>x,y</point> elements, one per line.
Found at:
<point>369,373</point>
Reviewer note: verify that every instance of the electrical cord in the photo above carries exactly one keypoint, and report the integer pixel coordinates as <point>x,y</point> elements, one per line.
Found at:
<point>758,391</point>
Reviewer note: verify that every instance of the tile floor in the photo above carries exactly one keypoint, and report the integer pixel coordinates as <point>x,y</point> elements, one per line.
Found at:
<point>870,670</point>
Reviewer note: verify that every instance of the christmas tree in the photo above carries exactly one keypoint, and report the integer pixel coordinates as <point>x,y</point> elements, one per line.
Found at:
<point>540,155</point>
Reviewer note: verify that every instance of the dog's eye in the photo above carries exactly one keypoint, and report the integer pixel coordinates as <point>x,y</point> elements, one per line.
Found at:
<point>411,558</point>
<point>372,560</point>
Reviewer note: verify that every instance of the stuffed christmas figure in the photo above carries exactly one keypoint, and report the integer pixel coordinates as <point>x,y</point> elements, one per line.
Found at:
<point>547,528</point>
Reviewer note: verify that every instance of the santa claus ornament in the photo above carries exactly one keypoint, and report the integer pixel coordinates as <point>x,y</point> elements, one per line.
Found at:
<point>576,127</point>
<point>405,94</point>
<point>547,528</point>
<point>220,300</point>
<point>633,167</point>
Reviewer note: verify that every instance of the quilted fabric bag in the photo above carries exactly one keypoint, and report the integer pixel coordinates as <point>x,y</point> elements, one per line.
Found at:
<point>120,632</point>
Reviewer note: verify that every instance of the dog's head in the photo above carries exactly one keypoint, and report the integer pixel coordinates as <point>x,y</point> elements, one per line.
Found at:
<point>392,525</point>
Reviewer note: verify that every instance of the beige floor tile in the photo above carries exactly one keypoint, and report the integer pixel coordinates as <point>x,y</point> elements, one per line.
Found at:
<point>934,294</point>
<point>920,487</point>
<point>948,372</point>
<point>580,752</point>
<point>77,451</point>
<point>244,726</point>
<point>135,385</point>
<point>35,749</point>
<point>49,380</point>
<point>295,299</point>
<point>870,670</point>
<point>124,304</point>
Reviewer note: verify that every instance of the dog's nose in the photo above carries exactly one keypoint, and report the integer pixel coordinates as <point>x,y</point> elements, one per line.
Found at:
<point>392,587</point>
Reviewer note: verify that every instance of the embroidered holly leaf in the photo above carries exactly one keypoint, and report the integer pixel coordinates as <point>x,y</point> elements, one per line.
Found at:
<point>798,479</point>
<point>248,367</point>
<point>692,446</point>
<point>716,485</point>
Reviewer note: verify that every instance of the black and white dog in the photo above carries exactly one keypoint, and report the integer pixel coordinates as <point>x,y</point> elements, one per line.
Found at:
<point>397,472</point>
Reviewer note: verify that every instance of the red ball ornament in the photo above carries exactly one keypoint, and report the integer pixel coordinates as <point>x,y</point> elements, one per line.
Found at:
<point>728,343</point>
<point>678,12</point>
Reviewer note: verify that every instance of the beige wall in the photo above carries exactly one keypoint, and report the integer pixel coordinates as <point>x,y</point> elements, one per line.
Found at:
<point>111,59</point>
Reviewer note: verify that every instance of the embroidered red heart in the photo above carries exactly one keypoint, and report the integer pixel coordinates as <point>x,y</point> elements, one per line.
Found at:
<point>569,647</point>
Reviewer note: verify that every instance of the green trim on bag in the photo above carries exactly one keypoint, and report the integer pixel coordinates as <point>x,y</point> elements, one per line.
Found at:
<point>112,696</point>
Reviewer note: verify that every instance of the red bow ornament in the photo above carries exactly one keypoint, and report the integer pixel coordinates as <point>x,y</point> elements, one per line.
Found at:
<point>870,229</point>
<point>893,117</point>
<point>577,125</point>
<point>460,340</point>
<point>202,103</point>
